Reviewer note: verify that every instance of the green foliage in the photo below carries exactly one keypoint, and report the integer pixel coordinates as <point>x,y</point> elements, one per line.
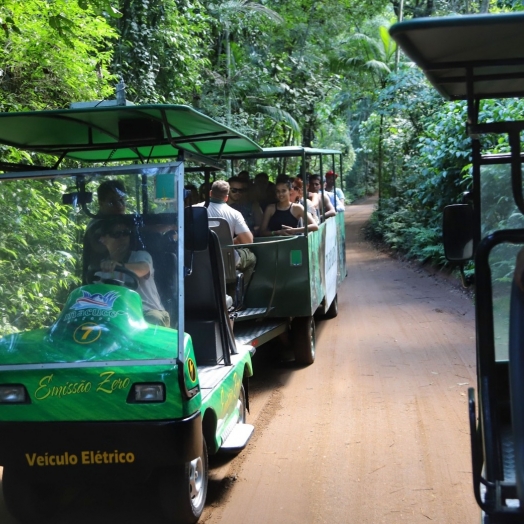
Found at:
<point>161,51</point>
<point>39,248</point>
<point>41,71</point>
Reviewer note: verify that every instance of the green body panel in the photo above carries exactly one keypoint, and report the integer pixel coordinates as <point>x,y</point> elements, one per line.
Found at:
<point>298,290</point>
<point>94,394</point>
<point>89,331</point>
<point>341,247</point>
<point>100,324</point>
<point>223,398</point>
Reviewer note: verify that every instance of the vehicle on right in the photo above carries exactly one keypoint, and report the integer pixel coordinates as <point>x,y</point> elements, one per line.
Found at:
<point>474,58</point>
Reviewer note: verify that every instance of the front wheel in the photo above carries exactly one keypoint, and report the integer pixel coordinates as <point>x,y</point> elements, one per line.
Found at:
<point>303,336</point>
<point>241,406</point>
<point>182,490</point>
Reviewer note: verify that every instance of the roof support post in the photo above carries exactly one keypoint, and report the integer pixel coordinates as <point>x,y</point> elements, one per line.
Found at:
<point>304,189</point>
<point>473,104</point>
<point>516,169</point>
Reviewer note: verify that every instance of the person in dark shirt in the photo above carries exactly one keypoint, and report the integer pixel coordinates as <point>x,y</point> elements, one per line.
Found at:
<point>264,190</point>
<point>239,200</point>
<point>285,217</point>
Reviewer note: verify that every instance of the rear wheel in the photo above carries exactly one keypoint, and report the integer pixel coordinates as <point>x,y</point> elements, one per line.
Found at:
<point>182,490</point>
<point>332,311</point>
<point>303,336</point>
<point>27,501</point>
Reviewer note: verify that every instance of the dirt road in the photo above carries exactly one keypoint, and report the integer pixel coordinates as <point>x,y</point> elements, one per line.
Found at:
<point>376,430</point>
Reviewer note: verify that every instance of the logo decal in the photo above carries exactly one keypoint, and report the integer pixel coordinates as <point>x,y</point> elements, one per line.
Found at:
<point>87,333</point>
<point>191,369</point>
<point>96,300</point>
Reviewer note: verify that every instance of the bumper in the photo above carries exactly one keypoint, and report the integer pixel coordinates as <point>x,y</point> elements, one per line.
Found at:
<point>98,449</point>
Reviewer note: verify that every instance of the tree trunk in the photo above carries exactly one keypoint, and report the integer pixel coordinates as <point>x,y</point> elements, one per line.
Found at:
<point>484,7</point>
<point>380,174</point>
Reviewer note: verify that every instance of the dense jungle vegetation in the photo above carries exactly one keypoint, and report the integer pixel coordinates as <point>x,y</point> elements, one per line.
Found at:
<point>284,72</point>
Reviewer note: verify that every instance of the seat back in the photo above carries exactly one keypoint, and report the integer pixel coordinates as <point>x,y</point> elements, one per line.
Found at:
<point>223,231</point>
<point>163,252</point>
<point>516,373</point>
<point>206,318</point>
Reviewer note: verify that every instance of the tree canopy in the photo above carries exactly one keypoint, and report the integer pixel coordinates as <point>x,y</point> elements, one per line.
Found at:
<point>284,72</point>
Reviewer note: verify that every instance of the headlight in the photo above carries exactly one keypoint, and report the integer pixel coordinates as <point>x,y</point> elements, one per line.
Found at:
<point>147,393</point>
<point>13,394</point>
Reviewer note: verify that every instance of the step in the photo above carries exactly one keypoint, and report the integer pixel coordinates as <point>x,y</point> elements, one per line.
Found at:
<point>238,438</point>
<point>257,333</point>
<point>250,313</point>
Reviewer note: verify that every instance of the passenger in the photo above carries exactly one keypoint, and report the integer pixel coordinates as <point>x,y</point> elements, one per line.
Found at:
<point>244,176</point>
<point>285,217</point>
<point>203,191</point>
<point>297,197</point>
<point>238,199</point>
<point>245,259</point>
<point>336,195</point>
<point>111,198</point>
<point>116,237</point>
<point>264,190</point>
<point>111,201</point>
<point>193,197</point>
<point>316,197</point>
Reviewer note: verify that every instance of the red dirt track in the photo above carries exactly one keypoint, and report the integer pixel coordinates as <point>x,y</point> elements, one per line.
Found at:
<point>376,430</point>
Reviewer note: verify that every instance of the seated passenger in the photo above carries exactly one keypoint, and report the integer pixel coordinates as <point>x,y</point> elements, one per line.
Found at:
<point>111,201</point>
<point>191,197</point>
<point>116,237</point>
<point>239,200</point>
<point>264,191</point>
<point>316,197</point>
<point>336,195</point>
<point>245,259</point>
<point>285,217</point>
<point>297,196</point>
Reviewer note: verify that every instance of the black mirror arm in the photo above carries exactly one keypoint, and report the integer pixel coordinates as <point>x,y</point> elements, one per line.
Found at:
<point>467,281</point>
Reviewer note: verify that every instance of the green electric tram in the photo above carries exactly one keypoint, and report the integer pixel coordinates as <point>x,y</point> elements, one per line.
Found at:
<point>296,277</point>
<point>90,391</point>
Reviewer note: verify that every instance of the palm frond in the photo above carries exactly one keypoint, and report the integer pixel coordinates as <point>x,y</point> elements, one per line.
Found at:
<point>377,65</point>
<point>279,115</point>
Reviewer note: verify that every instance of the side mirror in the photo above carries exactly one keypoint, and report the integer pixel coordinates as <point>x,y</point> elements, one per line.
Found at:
<point>77,198</point>
<point>457,231</point>
<point>196,229</point>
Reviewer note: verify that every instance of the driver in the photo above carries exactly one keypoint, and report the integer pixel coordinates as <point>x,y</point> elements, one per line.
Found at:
<point>116,237</point>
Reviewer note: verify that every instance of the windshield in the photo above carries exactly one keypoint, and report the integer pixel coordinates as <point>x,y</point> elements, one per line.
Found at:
<point>57,231</point>
<point>498,211</point>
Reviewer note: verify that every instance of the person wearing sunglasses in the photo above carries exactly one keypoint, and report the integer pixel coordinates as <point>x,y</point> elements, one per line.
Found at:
<point>115,235</point>
<point>239,200</point>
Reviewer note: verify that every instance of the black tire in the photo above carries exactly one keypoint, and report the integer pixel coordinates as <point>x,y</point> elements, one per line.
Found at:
<point>332,311</point>
<point>182,490</point>
<point>27,501</point>
<point>304,340</point>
